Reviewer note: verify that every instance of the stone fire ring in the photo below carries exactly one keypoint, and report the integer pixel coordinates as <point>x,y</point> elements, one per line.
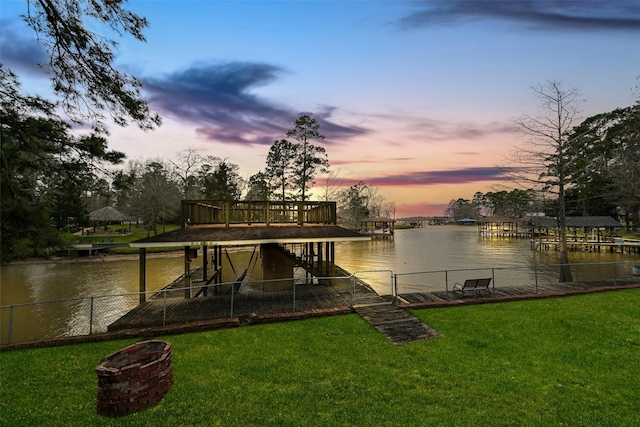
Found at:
<point>134,378</point>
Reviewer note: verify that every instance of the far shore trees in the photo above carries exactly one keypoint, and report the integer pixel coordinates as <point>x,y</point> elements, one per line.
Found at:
<point>156,197</point>
<point>220,180</point>
<point>606,170</point>
<point>258,187</point>
<point>47,172</point>
<point>362,201</point>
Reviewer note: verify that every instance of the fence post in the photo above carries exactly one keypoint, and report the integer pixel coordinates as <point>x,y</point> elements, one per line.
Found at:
<point>535,273</point>
<point>352,285</point>
<point>615,276</point>
<point>493,280</point>
<point>10,324</point>
<point>391,282</point>
<point>232,294</point>
<point>577,274</point>
<point>293,283</point>
<point>91,317</point>
<point>446,282</point>
<point>394,289</point>
<point>164,309</point>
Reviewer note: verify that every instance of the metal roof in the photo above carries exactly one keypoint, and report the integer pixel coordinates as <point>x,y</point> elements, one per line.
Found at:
<point>377,219</point>
<point>578,222</point>
<point>108,213</point>
<point>249,235</point>
<point>498,219</point>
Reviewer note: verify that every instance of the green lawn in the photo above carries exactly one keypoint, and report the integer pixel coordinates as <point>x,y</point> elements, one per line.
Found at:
<point>565,361</point>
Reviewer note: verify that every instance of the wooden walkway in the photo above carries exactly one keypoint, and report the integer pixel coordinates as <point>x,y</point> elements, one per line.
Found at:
<point>502,293</point>
<point>396,324</point>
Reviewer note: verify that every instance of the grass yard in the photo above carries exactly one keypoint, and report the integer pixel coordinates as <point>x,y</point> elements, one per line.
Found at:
<point>565,361</point>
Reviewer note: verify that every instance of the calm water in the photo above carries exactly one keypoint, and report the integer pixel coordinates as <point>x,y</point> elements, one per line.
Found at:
<point>416,250</point>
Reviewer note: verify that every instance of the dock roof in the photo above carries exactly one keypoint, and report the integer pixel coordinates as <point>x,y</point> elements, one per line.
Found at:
<point>578,222</point>
<point>249,235</point>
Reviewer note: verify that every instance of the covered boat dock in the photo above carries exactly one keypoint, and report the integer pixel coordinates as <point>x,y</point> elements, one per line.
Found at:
<point>289,234</point>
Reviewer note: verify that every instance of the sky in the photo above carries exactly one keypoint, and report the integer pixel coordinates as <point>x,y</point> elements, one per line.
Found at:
<point>415,98</point>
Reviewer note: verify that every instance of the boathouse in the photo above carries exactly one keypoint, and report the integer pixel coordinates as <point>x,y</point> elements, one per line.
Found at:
<point>588,233</point>
<point>503,226</point>
<point>289,234</point>
<point>378,228</point>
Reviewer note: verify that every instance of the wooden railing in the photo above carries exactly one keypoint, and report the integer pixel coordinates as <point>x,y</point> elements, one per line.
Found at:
<point>257,212</point>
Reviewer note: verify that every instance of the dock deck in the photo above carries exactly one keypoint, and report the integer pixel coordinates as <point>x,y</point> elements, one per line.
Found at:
<point>322,299</point>
<point>513,292</point>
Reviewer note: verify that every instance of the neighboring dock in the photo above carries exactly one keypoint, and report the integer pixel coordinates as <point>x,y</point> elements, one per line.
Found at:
<point>621,246</point>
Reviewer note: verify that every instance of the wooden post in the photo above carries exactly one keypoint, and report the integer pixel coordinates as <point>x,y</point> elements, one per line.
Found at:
<point>331,257</point>
<point>205,263</point>
<point>266,212</point>
<point>300,213</point>
<point>143,274</point>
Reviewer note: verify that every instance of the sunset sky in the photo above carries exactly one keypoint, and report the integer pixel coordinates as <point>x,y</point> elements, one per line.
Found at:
<point>416,98</point>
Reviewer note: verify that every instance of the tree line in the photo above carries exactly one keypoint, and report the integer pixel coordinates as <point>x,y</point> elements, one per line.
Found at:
<point>52,180</point>
<point>590,168</point>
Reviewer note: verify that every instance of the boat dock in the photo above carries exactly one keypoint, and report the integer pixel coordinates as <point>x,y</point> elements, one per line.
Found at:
<point>621,246</point>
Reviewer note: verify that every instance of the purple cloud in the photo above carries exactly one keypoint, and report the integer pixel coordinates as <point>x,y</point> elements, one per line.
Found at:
<point>533,14</point>
<point>21,53</point>
<point>446,131</point>
<point>455,176</point>
<point>218,99</point>
<point>361,161</point>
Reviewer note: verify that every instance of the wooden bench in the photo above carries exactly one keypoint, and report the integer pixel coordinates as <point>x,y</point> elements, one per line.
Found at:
<point>476,286</point>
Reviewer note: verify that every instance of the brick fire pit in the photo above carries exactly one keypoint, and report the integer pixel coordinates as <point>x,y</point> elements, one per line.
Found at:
<point>134,378</point>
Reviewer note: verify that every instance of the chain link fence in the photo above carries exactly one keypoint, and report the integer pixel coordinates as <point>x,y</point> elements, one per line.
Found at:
<point>89,315</point>
<point>97,314</point>
<point>512,280</point>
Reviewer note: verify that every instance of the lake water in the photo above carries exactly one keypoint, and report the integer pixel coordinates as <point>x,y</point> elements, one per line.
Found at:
<point>414,250</point>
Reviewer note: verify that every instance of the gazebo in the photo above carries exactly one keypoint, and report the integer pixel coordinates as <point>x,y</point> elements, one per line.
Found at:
<point>106,215</point>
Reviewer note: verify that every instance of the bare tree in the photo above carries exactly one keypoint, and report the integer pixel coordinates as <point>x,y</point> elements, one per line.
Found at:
<point>544,162</point>
<point>332,186</point>
<point>186,169</point>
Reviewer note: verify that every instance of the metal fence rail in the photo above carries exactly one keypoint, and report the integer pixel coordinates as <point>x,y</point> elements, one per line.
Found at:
<point>96,314</point>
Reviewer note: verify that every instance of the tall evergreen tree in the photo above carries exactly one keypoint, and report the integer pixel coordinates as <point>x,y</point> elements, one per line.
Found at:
<point>45,172</point>
<point>309,159</point>
<point>279,170</point>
